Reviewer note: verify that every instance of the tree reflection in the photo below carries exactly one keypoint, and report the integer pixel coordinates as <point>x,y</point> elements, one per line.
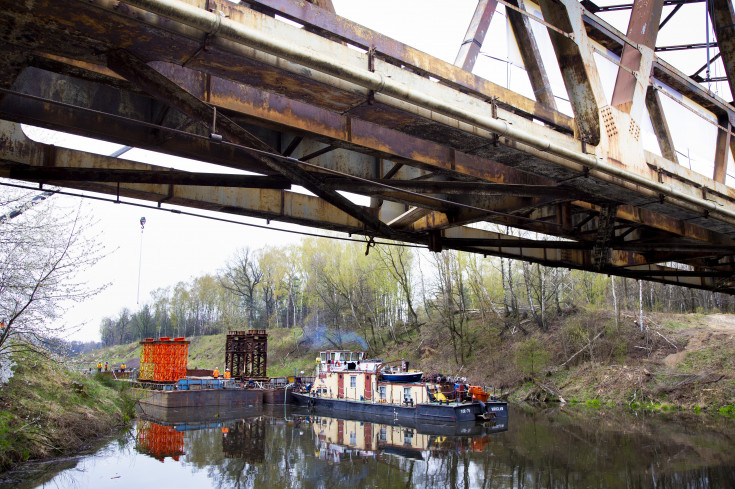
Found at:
<point>564,449</point>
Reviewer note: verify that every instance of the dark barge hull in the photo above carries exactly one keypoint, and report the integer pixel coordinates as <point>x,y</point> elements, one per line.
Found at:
<point>277,395</point>
<point>234,398</point>
<point>465,428</point>
<point>433,412</point>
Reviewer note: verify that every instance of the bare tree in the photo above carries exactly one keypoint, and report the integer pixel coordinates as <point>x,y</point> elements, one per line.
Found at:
<point>451,301</point>
<point>242,276</point>
<point>42,249</point>
<point>398,261</point>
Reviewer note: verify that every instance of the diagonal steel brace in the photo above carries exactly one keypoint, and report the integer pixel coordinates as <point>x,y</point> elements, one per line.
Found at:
<point>160,87</point>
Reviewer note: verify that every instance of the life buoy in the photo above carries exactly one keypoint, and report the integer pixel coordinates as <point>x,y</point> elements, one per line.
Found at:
<point>337,364</point>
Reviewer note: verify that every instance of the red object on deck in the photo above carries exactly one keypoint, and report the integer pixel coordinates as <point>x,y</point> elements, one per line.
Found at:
<point>477,393</point>
<point>163,360</point>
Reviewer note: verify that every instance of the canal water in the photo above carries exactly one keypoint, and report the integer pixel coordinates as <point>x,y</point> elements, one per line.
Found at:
<point>282,447</point>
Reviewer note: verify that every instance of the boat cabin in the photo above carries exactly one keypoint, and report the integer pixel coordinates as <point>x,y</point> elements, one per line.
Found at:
<point>343,374</point>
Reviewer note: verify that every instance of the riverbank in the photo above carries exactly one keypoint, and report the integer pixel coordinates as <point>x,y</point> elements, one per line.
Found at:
<point>47,410</point>
<point>674,362</point>
<point>682,361</point>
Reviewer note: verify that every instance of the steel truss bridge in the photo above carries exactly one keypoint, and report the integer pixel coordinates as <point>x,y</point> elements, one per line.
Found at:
<point>335,107</point>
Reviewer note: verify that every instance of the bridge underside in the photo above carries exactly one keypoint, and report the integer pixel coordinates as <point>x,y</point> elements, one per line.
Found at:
<point>448,160</point>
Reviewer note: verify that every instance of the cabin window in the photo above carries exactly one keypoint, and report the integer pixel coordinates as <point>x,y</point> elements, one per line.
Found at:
<point>382,435</point>
<point>323,357</point>
<point>360,355</point>
<point>408,438</point>
<point>353,438</point>
<point>381,390</point>
<point>353,381</point>
<point>406,394</point>
<point>334,356</point>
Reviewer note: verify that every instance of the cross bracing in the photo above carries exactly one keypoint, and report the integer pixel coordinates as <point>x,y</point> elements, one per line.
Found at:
<point>447,158</point>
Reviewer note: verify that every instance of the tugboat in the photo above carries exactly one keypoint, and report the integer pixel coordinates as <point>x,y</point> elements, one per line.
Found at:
<point>346,381</point>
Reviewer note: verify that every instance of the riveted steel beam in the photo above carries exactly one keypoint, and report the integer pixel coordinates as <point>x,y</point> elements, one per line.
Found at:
<point>17,149</point>
<point>341,29</point>
<point>612,39</point>
<point>456,188</point>
<point>723,148</point>
<point>528,47</point>
<point>475,34</point>
<point>153,82</point>
<point>574,55</point>
<point>623,263</point>
<point>660,125</point>
<point>163,177</point>
<point>635,62</point>
<point>723,18</point>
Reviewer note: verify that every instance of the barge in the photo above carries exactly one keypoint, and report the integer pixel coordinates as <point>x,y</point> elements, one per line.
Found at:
<point>346,382</point>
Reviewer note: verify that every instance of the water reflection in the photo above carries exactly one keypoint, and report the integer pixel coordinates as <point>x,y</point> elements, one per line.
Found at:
<point>338,440</point>
<point>285,448</point>
<point>159,441</point>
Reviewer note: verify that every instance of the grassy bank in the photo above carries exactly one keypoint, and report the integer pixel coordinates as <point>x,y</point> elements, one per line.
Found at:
<point>676,361</point>
<point>47,409</point>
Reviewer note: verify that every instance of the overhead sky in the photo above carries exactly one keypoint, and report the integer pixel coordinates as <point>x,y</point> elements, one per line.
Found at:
<point>178,248</point>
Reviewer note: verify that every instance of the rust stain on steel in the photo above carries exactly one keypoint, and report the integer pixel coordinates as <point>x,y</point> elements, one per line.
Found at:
<point>115,130</point>
<point>293,207</point>
<point>610,38</point>
<point>724,20</point>
<point>279,112</point>
<point>475,34</point>
<point>99,31</point>
<point>577,68</point>
<point>361,36</point>
<point>642,29</point>
<point>664,223</point>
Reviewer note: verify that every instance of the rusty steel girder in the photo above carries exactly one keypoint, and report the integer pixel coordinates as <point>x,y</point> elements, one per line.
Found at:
<point>435,147</point>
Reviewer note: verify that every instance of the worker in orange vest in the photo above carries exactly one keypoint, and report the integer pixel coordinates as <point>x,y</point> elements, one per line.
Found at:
<point>122,368</point>
<point>227,373</point>
<point>99,366</point>
<point>215,373</point>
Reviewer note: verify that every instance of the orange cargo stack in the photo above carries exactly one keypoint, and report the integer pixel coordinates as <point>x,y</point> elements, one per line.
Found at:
<point>164,360</point>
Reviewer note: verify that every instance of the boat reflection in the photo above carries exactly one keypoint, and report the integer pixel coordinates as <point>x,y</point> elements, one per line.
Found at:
<point>339,440</point>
